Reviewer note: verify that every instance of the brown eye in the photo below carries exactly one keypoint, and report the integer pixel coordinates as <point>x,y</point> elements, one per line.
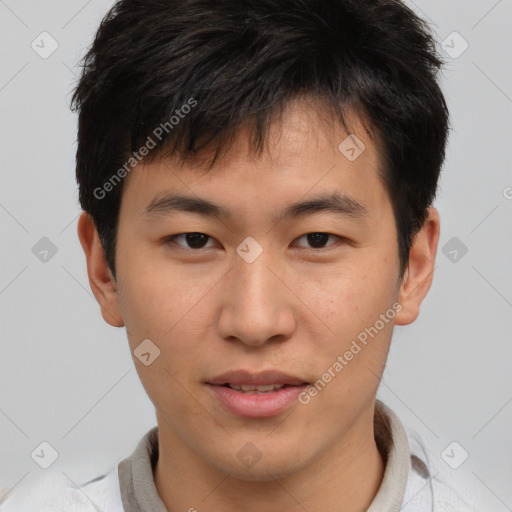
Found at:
<point>318,240</point>
<point>193,240</point>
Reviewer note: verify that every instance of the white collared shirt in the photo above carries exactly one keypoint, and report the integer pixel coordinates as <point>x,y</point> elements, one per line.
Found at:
<point>408,484</point>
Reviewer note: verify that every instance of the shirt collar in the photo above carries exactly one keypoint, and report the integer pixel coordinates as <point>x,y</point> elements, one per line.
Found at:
<point>139,493</point>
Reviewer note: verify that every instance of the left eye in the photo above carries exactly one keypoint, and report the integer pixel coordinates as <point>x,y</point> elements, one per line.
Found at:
<point>318,240</point>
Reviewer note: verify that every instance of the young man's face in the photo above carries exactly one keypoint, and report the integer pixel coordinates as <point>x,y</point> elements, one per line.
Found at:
<point>279,301</point>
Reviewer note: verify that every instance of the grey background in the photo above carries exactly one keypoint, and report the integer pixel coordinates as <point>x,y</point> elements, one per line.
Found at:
<point>67,378</point>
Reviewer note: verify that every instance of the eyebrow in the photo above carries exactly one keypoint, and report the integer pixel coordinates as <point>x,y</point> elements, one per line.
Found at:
<point>337,203</point>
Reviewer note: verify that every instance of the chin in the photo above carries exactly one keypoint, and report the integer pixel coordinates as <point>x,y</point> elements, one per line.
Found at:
<point>263,468</point>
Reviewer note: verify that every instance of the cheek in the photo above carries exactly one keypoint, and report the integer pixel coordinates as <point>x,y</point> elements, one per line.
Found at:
<point>350,298</point>
<point>353,330</point>
<point>162,304</point>
<point>352,341</point>
<point>147,293</point>
<point>158,310</point>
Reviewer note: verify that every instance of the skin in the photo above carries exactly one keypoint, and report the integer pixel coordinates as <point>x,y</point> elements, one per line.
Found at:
<point>296,308</point>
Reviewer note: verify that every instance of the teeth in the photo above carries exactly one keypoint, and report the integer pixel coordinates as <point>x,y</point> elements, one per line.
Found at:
<point>253,387</point>
<point>268,388</point>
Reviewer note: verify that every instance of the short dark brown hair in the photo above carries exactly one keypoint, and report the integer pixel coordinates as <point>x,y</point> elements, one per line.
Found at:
<point>244,61</point>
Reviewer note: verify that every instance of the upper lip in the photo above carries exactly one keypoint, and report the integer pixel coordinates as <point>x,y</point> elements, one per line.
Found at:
<point>258,379</point>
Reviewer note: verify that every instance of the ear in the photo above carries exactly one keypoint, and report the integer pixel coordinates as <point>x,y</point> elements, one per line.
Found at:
<point>418,276</point>
<point>101,280</point>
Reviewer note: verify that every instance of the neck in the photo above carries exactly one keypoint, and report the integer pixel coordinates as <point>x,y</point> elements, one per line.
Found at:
<point>348,475</point>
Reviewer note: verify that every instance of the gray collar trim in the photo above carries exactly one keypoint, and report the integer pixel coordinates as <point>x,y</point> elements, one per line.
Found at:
<point>390,495</point>
<point>139,493</point>
<point>138,489</point>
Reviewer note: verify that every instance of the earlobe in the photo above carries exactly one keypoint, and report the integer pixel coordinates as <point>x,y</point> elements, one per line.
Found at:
<point>101,280</point>
<point>419,274</point>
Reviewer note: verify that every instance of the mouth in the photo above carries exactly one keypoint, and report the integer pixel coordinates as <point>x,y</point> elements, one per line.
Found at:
<point>256,395</point>
<point>262,382</point>
<point>254,389</point>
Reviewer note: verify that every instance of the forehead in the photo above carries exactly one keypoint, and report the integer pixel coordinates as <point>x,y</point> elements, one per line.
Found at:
<point>307,152</point>
<point>305,129</point>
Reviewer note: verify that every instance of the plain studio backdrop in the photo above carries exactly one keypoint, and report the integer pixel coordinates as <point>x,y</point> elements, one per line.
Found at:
<point>67,378</point>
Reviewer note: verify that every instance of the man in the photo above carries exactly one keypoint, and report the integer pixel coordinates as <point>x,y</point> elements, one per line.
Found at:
<point>257,182</point>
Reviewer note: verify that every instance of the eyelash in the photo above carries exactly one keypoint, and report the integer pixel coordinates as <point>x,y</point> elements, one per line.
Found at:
<point>172,239</point>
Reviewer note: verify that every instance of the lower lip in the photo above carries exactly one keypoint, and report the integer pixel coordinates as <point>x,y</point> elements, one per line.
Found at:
<point>257,405</point>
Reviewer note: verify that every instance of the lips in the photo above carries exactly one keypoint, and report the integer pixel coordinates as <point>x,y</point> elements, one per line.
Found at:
<point>256,395</point>
<point>252,388</point>
<point>243,380</point>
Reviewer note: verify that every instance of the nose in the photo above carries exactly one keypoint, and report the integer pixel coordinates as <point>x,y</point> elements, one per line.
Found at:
<point>257,305</point>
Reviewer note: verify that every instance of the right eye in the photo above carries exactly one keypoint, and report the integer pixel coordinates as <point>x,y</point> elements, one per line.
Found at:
<point>195,241</point>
